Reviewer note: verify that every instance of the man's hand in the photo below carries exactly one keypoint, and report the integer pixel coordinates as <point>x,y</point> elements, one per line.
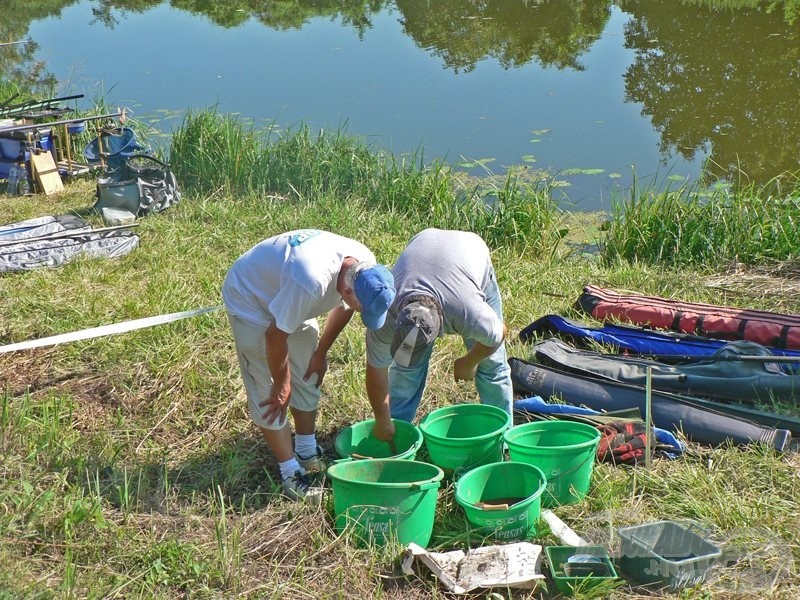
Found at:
<point>276,404</point>
<point>383,430</point>
<point>278,362</point>
<point>317,365</point>
<point>464,369</point>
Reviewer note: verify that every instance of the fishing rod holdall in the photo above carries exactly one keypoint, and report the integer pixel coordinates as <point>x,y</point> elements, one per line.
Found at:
<point>141,185</point>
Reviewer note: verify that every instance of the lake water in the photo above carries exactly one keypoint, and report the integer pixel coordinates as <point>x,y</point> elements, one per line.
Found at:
<point>591,92</point>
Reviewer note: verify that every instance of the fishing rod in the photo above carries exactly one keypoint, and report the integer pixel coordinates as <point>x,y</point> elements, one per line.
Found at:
<point>15,43</point>
<point>119,113</point>
<point>30,104</point>
<point>7,101</point>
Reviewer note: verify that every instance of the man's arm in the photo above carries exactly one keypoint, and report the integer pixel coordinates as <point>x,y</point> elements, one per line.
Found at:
<point>278,361</point>
<point>334,324</point>
<point>465,367</point>
<point>378,394</point>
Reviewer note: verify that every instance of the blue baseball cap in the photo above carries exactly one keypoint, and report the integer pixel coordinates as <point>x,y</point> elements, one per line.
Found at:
<point>374,288</point>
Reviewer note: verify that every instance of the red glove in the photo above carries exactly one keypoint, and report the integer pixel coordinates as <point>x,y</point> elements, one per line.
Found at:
<point>622,442</point>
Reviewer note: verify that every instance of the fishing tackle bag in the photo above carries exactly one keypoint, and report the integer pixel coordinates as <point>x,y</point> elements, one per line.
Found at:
<point>141,185</point>
<point>719,322</point>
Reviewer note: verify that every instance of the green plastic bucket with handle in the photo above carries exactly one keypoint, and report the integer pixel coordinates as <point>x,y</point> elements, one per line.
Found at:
<point>463,436</point>
<point>502,500</point>
<point>356,441</point>
<point>563,450</point>
<point>386,498</point>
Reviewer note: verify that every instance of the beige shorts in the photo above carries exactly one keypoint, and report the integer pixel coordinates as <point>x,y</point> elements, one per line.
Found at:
<point>251,349</point>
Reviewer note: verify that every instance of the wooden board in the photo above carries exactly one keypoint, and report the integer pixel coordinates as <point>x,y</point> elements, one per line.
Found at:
<point>46,173</point>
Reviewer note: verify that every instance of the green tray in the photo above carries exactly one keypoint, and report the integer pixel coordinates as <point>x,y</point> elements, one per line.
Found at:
<point>569,577</point>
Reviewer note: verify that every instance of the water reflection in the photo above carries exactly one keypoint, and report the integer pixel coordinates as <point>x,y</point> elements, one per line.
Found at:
<point>17,63</point>
<point>291,14</point>
<point>718,78</point>
<point>552,33</point>
<point>727,80</point>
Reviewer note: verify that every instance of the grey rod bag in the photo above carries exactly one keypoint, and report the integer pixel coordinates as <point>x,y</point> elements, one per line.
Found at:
<point>738,381</point>
<point>669,411</point>
<point>61,248</point>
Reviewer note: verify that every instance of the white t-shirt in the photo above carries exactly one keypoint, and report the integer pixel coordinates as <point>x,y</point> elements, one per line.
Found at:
<point>454,267</point>
<point>289,278</point>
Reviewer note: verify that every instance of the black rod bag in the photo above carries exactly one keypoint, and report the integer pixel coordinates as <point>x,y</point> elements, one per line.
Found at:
<point>738,381</point>
<point>669,411</point>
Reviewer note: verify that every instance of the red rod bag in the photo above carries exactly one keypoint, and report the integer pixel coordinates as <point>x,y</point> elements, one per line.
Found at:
<point>718,322</point>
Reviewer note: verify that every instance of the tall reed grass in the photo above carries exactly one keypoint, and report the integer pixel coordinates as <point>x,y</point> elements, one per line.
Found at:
<point>222,156</point>
<point>694,226</point>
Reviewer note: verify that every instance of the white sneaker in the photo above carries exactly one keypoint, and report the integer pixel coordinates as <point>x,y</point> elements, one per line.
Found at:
<point>313,464</point>
<point>300,487</point>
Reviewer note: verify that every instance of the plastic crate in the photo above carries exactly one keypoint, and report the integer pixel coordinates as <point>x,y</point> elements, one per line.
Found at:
<point>567,583</point>
<point>666,553</point>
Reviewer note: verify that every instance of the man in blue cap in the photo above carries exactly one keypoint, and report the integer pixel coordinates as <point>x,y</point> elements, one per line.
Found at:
<point>273,294</point>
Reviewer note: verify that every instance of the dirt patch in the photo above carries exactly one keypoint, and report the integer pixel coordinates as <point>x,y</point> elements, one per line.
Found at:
<point>779,282</point>
<point>34,374</point>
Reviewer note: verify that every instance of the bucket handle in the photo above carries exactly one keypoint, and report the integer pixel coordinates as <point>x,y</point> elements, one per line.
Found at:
<point>459,471</point>
<point>576,468</point>
<point>352,457</point>
<point>427,485</point>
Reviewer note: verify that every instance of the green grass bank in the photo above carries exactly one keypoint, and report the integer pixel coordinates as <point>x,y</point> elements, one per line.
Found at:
<point>129,467</point>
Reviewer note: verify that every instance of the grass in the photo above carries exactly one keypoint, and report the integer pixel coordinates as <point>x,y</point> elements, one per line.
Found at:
<point>216,154</point>
<point>129,467</point>
<point>694,226</point>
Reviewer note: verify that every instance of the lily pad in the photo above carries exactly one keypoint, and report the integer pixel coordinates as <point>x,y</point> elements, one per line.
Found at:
<point>583,171</point>
<point>615,175</point>
<point>529,158</point>
<point>541,131</point>
<point>535,141</point>
<point>676,178</point>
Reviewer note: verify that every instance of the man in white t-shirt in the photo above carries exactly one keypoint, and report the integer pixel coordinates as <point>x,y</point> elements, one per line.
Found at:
<point>273,294</point>
<point>445,284</point>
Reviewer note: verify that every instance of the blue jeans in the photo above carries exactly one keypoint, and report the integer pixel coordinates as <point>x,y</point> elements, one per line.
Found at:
<point>492,380</point>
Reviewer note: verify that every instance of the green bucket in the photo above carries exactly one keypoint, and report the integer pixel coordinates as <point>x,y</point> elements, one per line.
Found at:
<point>357,441</point>
<point>563,450</point>
<point>386,498</point>
<point>502,500</point>
<point>463,436</point>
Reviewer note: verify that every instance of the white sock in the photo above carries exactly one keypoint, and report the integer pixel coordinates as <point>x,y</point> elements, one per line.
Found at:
<point>289,468</point>
<point>305,446</point>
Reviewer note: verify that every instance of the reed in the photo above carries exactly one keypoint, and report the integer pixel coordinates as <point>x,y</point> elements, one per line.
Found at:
<point>221,156</point>
<point>695,226</point>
